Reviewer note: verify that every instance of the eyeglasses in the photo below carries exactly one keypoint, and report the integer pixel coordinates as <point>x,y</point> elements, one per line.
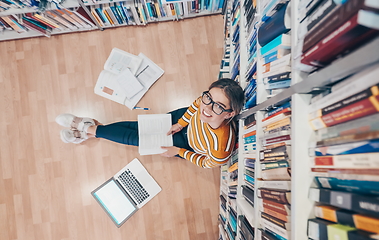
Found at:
<point>216,107</point>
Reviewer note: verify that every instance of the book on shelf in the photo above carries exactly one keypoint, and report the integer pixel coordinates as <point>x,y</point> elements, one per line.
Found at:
<point>274,163</point>
<point>281,216</point>
<point>282,185</point>
<point>281,208</point>
<point>277,64</point>
<point>350,35</point>
<point>275,55</point>
<point>359,105</point>
<point>351,130</point>
<point>324,9</point>
<point>283,41</point>
<point>336,18</point>
<point>319,229</point>
<point>366,146</point>
<point>344,173</point>
<point>349,218</point>
<point>277,115</point>
<point>248,194</point>
<point>276,195</point>
<point>286,225</point>
<point>142,73</point>
<point>358,161</point>
<point>273,7</point>
<point>349,138</point>
<point>361,81</point>
<point>277,174</point>
<point>273,84</point>
<point>350,185</point>
<point>246,229</point>
<point>278,23</point>
<point>275,229</point>
<point>359,203</point>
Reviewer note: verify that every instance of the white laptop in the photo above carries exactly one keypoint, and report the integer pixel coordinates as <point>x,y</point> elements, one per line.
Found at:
<point>126,192</point>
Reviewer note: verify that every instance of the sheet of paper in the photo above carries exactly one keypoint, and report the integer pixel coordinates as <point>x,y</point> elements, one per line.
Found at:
<point>129,83</point>
<point>107,87</point>
<point>147,74</point>
<point>119,60</point>
<point>152,131</point>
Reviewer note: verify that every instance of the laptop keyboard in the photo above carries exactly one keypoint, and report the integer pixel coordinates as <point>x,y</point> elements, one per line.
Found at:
<point>134,186</point>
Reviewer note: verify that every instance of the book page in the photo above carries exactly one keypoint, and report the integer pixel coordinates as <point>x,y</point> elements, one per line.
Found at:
<point>147,74</point>
<point>152,131</point>
<point>119,60</point>
<point>107,86</point>
<point>129,83</point>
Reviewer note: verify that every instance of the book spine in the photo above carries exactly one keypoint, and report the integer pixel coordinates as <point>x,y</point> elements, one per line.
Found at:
<point>344,102</point>
<point>321,12</point>
<point>276,229</point>
<point>368,146</point>
<point>355,202</point>
<point>331,22</point>
<point>349,138</point>
<point>317,229</point>
<point>347,37</point>
<point>359,174</point>
<point>358,221</point>
<point>276,221</point>
<point>274,206</point>
<point>353,111</point>
<point>274,195</point>
<point>359,161</point>
<point>277,215</point>
<point>275,26</point>
<point>276,139</point>
<point>356,127</point>
<point>350,185</point>
<point>277,174</point>
<point>273,165</point>
<point>361,81</point>
<point>279,40</point>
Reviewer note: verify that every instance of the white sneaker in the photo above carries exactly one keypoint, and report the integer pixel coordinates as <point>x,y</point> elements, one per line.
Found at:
<point>74,122</point>
<point>73,136</point>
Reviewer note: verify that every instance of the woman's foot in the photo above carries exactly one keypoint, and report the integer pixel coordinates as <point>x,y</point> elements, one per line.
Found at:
<point>73,136</point>
<point>74,122</point>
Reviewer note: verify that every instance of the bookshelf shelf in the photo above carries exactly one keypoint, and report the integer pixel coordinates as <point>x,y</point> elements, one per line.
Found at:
<point>368,54</point>
<point>305,89</point>
<point>98,15</point>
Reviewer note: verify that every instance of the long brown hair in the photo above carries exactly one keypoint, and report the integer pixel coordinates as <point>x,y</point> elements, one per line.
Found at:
<point>234,93</point>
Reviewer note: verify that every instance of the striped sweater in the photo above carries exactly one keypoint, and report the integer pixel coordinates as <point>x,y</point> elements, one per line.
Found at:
<point>213,147</point>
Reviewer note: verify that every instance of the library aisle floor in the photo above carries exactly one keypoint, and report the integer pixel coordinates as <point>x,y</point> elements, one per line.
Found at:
<point>45,184</point>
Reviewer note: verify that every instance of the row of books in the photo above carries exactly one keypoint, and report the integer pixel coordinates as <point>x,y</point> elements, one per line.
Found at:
<point>274,36</point>
<point>225,61</point>
<point>48,22</point>
<point>235,34</point>
<point>331,29</point>
<point>345,157</point>
<point>274,185</point>
<point>251,49</point>
<point>228,208</point>
<point>25,4</point>
<point>141,12</point>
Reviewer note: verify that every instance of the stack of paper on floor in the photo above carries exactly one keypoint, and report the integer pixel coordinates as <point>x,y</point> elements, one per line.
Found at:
<point>127,77</point>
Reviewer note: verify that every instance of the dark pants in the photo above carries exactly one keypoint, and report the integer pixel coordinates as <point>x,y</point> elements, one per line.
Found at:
<point>127,132</point>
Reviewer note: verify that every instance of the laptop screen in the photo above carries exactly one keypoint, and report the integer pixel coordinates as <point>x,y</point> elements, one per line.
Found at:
<point>118,206</point>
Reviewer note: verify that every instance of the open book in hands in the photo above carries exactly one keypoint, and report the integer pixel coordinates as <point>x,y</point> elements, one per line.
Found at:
<point>152,132</point>
<point>126,77</point>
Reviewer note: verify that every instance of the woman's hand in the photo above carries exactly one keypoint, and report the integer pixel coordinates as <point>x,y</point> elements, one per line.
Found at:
<point>171,151</point>
<point>175,128</point>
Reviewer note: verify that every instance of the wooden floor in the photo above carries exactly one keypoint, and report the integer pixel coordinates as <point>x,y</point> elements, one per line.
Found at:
<point>45,184</point>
